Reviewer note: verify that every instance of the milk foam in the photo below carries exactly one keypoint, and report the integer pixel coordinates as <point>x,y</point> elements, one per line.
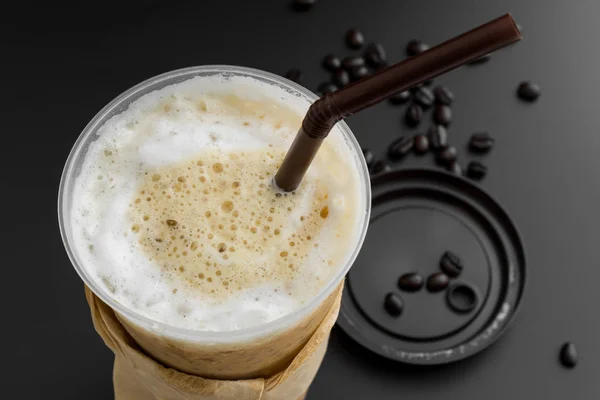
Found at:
<point>134,179</point>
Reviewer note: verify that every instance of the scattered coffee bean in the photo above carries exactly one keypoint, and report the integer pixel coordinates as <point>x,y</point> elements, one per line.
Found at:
<point>568,355</point>
<point>400,97</point>
<point>424,96</point>
<point>411,282</point>
<point>437,282</point>
<point>476,170</point>
<point>415,47</point>
<point>443,95</point>
<point>413,115</point>
<point>380,167</point>
<point>438,136</point>
<point>455,168</point>
<point>400,147</point>
<point>480,60</point>
<point>462,298</point>
<point>354,39</point>
<point>375,55</point>
<point>481,142</point>
<point>447,155</point>
<point>369,157</point>
<point>421,144</point>
<point>332,63</point>
<point>326,87</point>
<point>357,73</point>
<point>340,78</point>
<point>442,115</point>
<point>352,62</point>
<point>451,264</point>
<point>393,304</point>
<point>294,75</point>
<point>529,91</point>
<point>303,5</point>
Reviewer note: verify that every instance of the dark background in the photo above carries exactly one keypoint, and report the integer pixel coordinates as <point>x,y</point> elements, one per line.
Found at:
<point>60,68</point>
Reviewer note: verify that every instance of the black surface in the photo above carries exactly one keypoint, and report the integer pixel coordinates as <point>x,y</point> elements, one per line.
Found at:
<point>59,70</point>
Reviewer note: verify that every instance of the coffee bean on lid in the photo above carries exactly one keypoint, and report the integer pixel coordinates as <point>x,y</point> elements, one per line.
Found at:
<point>438,136</point>
<point>437,282</point>
<point>375,55</point>
<point>354,39</point>
<point>331,62</point>
<point>358,73</point>
<point>352,62</point>
<point>443,95</point>
<point>481,142</point>
<point>421,144</point>
<point>294,75</point>
<point>340,78</point>
<point>476,170</point>
<point>400,97</point>
<point>380,167</point>
<point>326,87</point>
<point>451,264</point>
<point>568,355</point>
<point>411,282</point>
<point>369,157</point>
<point>424,96</point>
<point>413,115</point>
<point>400,147</point>
<point>447,155</point>
<point>442,115</point>
<point>303,5</point>
<point>415,47</point>
<point>393,304</point>
<point>455,168</point>
<point>529,91</point>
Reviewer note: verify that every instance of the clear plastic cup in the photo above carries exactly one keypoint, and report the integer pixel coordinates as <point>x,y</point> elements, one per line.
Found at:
<point>263,348</point>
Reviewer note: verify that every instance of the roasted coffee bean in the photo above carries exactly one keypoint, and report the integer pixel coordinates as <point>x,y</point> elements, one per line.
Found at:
<point>568,355</point>
<point>450,264</point>
<point>462,298</point>
<point>332,63</point>
<point>447,155</point>
<point>375,55</point>
<point>294,75</point>
<point>442,115</point>
<point>481,142</point>
<point>411,282</point>
<point>357,73</point>
<point>424,96</point>
<point>437,282</point>
<point>443,95</point>
<point>400,97</point>
<point>369,157</point>
<point>400,147</point>
<point>438,136</point>
<point>529,91</point>
<point>476,170</point>
<point>393,304</point>
<point>352,62</point>
<point>340,78</point>
<point>380,167</point>
<point>455,168</point>
<point>415,47</point>
<point>354,39</point>
<point>480,60</point>
<point>303,5</point>
<point>326,87</point>
<point>413,115</point>
<point>421,144</point>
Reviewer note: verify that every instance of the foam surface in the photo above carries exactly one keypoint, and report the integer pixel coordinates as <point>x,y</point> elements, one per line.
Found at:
<point>173,211</point>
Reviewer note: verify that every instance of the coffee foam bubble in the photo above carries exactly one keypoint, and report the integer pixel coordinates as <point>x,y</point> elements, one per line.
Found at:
<point>173,211</point>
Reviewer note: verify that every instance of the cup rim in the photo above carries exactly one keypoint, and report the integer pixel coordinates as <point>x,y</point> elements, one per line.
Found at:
<point>124,99</point>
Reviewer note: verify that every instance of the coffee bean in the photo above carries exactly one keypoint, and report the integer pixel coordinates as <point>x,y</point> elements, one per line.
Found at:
<point>462,298</point>
<point>354,39</point>
<point>413,115</point>
<point>421,144</point>
<point>480,60</point>
<point>568,355</point>
<point>438,136</point>
<point>352,62</point>
<point>476,170</point>
<point>357,73</point>
<point>455,168</point>
<point>332,63</point>
<point>450,264</point>
<point>424,96</point>
<point>393,304</point>
<point>369,157</point>
<point>326,87</point>
<point>400,97</point>
<point>443,95</point>
<point>411,282</point>
<point>415,47</point>
<point>437,282</point>
<point>481,142</point>
<point>380,167</point>
<point>340,78</point>
<point>442,115</point>
<point>375,55</point>
<point>303,5</point>
<point>529,91</point>
<point>400,147</point>
<point>447,155</point>
<point>294,75</point>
